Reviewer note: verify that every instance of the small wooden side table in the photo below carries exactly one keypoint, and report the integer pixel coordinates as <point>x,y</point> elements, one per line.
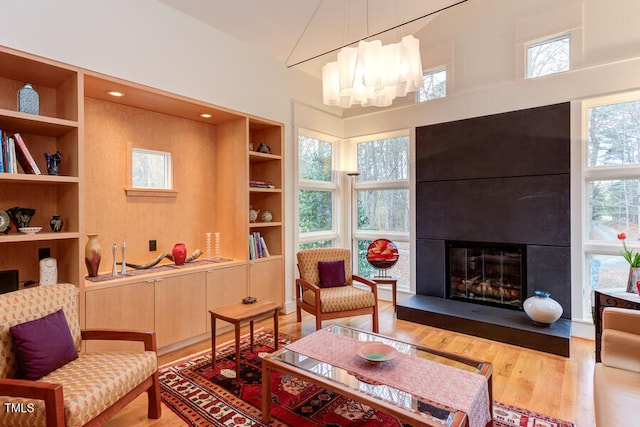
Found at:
<point>388,281</point>
<point>238,313</point>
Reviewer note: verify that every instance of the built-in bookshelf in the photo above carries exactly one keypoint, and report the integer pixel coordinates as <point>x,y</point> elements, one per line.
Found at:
<point>266,195</point>
<point>55,128</point>
<point>213,170</point>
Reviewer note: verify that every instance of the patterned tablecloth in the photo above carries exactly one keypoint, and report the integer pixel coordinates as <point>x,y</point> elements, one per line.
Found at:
<point>426,379</point>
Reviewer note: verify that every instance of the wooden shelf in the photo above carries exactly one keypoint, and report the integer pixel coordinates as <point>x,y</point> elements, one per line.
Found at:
<point>265,224</point>
<point>25,178</point>
<point>21,237</point>
<point>265,190</point>
<point>255,156</point>
<point>16,121</point>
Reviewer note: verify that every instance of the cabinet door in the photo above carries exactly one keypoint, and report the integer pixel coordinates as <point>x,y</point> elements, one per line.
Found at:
<point>119,307</point>
<point>266,279</point>
<point>225,286</point>
<point>180,309</point>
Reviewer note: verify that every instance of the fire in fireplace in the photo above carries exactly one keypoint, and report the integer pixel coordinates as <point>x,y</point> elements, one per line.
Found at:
<point>486,273</point>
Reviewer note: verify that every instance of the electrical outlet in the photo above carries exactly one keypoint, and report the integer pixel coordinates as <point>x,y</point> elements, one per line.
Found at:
<point>152,245</point>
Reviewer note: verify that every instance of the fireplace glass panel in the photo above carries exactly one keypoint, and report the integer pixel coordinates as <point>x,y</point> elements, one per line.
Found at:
<point>486,273</point>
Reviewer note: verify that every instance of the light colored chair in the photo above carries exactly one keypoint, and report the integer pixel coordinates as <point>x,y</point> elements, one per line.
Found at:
<point>85,391</point>
<point>333,302</point>
<point>616,380</point>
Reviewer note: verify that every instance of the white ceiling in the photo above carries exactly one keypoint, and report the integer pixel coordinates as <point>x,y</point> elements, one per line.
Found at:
<point>296,30</point>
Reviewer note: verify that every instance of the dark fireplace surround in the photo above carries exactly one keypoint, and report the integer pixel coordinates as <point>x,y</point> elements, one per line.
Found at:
<point>503,179</point>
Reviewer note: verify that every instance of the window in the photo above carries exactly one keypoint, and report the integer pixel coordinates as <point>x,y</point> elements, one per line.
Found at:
<point>612,187</point>
<point>317,191</point>
<point>383,205</point>
<point>150,169</point>
<point>435,85</point>
<point>549,56</point>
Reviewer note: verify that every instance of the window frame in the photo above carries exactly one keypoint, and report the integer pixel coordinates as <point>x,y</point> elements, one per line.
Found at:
<point>312,185</point>
<point>592,247</point>
<point>545,40</point>
<point>403,184</point>
<point>434,70</point>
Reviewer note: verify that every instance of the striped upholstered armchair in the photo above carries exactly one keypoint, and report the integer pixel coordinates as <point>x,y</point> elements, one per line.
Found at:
<point>325,287</point>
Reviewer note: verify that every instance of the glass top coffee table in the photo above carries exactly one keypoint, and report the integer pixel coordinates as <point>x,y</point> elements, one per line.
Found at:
<point>317,359</point>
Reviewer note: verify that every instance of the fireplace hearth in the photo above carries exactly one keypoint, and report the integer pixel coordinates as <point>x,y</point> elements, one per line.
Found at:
<point>486,273</point>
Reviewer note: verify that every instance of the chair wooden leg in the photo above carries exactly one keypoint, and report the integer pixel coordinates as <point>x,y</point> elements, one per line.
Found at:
<point>375,319</point>
<point>318,323</point>
<point>298,314</point>
<point>154,409</point>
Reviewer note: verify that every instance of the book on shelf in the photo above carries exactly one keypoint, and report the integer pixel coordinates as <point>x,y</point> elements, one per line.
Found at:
<point>261,184</point>
<point>24,156</point>
<point>257,246</point>
<point>2,152</point>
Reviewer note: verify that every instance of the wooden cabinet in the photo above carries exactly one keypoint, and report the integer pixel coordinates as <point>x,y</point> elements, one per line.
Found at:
<point>266,278</point>
<point>225,286</point>
<point>180,308</point>
<point>56,127</point>
<point>611,298</point>
<point>128,306</point>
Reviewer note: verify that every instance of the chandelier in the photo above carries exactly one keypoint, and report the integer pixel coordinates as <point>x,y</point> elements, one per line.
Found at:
<point>372,74</point>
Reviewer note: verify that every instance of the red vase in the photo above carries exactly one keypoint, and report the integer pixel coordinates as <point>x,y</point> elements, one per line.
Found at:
<point>179,253</point>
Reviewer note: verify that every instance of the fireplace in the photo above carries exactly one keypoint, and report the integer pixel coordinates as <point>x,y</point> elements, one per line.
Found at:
<point>486,273</point>
<point>500,178</point>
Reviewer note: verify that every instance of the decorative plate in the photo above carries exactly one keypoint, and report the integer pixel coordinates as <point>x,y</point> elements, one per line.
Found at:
<point>374,351</point>
<point>29,230</point>
<point>4,221</point>
<point>382,254</point>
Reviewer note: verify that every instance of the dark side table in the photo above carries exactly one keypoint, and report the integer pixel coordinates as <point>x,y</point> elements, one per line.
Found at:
<point>388,281</point>
<point>611,298</point>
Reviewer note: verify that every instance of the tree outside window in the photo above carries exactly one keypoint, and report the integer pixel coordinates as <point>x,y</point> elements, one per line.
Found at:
<point>382,195</point>
<point>549,56</point>
<point>435,85</point>
<point>317,192</point>
<point>612,182</point>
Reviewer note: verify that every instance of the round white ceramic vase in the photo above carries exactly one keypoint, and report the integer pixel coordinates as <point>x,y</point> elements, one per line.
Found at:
<point>541,308</point>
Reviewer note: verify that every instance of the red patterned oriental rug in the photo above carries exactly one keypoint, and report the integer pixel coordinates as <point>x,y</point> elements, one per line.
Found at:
<point>206,396</point>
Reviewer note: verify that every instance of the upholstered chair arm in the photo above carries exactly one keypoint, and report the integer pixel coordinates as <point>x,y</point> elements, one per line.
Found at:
<point>147,337</point>
<point>50,393</point>
<point>373,285</point>
<point>621,319</point>
<point>621,350</point>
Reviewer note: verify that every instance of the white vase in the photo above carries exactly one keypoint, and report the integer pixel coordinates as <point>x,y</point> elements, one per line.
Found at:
<point>541,308</point>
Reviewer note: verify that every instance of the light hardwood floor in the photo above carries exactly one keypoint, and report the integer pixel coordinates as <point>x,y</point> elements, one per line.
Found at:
<point>554,385</point>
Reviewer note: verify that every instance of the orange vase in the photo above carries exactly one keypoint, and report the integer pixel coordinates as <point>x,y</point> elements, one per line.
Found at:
<point>179,253</point>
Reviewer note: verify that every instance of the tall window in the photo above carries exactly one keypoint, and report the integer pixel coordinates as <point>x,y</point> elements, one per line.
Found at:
<point>317,191</point>
<point>435,85</point>
<point>382,196</point>
<point>612,185</point>
<point>549,56</point>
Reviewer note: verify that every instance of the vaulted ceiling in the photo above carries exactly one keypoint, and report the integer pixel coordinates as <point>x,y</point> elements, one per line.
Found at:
<point>296,30</point>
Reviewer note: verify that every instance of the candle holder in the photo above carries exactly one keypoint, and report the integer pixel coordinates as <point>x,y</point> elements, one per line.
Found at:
<point>208,245</point>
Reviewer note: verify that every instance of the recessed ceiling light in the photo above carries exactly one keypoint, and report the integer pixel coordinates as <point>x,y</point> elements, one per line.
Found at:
<point>115,93</point>
<point>205,115</point>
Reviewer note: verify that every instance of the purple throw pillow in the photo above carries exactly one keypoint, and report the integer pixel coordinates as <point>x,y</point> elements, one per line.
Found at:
<point>331,273</point>
<point>43,345</point>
